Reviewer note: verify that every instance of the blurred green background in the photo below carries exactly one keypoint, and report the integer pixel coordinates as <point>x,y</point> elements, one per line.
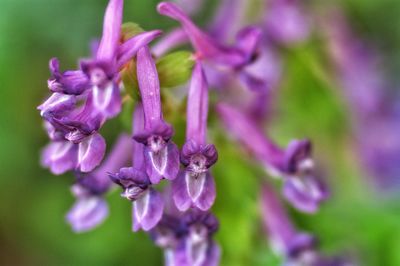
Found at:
<point>358,220</point>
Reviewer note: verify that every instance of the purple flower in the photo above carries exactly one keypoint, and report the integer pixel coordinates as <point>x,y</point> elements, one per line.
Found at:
<point>161,154</point>
<point>62,155</point>
<point>187,240</point>
<point>195,186</point>
<point>148,204</point>
<point>206,47</point>
<point>301,188</point>
<point>297,248</point>
<point>286,22</point>
<point>90,208</point>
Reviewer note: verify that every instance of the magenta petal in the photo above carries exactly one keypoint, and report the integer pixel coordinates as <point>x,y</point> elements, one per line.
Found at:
<point>59,156</point>
<point>147,210</point>
<point>180,192</point>
<point>207,194</point>
<point>107,100</point>
<point>164,163</point>
<point>87,213</point>
<point>128,49</point>
<point>111,31</point>
<point>91,152</point>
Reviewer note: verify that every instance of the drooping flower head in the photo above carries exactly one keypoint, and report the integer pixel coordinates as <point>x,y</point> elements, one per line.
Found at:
<point>295,247</point>
<point>147,202</point>
<point>162,155</point>
<point>195,186</point>
<point>90,208</point>
<point>294,165</point>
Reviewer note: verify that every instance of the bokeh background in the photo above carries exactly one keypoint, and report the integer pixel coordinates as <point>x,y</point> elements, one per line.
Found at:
<point>360,220</point>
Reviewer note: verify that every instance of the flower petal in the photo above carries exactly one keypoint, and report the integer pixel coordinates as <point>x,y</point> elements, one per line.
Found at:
<point>107,100</point>
<point>164,163</point>
<point>91,152</point>
<point>59,156</point>
<point>87,213</point>
<point>147,210</point>
<point>207,193</point>
<point>180,192</point>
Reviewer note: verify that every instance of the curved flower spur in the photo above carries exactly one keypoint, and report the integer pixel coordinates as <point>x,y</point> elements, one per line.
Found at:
<point>301,188</point>
<point>162,155</point>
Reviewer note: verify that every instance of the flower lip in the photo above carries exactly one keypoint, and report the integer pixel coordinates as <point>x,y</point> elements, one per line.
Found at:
<point>198,157</point>
<point>161,132</point>
<point>133,181</point>
<point>298,157</point>
<point>98,72</point>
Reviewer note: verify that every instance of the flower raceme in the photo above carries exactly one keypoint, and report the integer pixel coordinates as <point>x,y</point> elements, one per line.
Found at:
<point>171,202</point>
<point>84,99</point>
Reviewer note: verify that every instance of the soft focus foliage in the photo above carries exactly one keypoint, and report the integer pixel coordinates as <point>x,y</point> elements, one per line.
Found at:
<point>359,220</point>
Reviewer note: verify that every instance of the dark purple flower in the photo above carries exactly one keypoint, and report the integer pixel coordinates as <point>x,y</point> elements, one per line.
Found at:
<point>161,154</point>
<point>206,47</point>
<point>194,186</point>
<point>286,22</point>
<point>148,204</point>
<point>90,208</point>
<point>187,239</point>
<point>301,187</point>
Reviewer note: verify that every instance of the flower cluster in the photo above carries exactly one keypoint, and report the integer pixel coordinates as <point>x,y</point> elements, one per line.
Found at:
<point>172,189</point>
